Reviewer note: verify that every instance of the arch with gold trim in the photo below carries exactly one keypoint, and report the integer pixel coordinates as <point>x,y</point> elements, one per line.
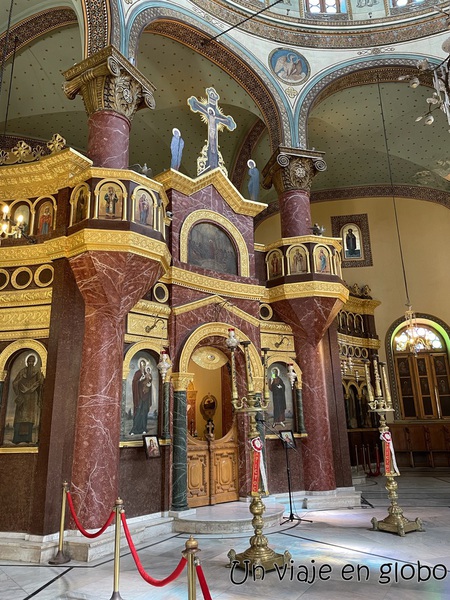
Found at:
<point>221,330</point>
<point>199,216</point>
<point>11,349</point>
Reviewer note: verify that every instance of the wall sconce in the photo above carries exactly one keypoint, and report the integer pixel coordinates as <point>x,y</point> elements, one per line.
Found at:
<point>11,228</point>
<point>149,328</point>
<point>281,341</point>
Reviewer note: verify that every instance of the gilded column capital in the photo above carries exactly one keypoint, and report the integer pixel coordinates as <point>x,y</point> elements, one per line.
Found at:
<point>108,81</point>
<point>180,381</point>
<point>292,169</point>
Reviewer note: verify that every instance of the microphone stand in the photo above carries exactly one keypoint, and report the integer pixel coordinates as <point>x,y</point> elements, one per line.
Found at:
<point>292,516</point>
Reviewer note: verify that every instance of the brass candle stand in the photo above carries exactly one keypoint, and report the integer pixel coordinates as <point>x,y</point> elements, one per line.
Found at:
<point>258,554</point>
<point>395,522</point>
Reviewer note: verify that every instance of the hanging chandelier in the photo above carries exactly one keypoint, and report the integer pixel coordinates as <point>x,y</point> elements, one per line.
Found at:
<point>414,337</point>
<point>440,77</point>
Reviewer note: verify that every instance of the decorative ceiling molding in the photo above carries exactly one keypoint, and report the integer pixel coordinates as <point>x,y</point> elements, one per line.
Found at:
<point>36,26</point>
<point>97,25</point>
<point>385,191</point>
<point>374,191</point>
<point>374,75</point>
<point>329,33</point>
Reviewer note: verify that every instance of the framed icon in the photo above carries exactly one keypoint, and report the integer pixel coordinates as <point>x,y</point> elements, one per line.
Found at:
<point>151,445</point>
<point>287,436</point>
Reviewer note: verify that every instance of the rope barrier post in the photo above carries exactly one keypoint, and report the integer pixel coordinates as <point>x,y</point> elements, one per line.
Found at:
<point>60,558</point>
<point>118,508</point>
<point>189,554</point>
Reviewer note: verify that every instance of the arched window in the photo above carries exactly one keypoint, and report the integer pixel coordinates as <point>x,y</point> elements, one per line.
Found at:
<point>422,373</point>
<point>400,3</point>
<point>329,7</point>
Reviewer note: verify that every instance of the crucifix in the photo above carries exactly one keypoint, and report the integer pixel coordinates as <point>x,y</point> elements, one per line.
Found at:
<point>213,116</point>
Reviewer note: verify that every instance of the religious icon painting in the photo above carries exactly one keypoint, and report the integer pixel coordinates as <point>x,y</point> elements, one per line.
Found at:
<point>322,262</point>
<point>110,201</point>
<point>289,65</point>
<point>80,204</point>
<point>23,408</point>
<point>210,247</point>
<point>275,266</point>
<point>298,260</point>
<point>45,218</point>
<point>354,232</point>
<point>287,437</point>
<point>280,410</point>
<point>151,445</point>
<point>140,398</point>
<point>351,237</point>
<point>143,207</point>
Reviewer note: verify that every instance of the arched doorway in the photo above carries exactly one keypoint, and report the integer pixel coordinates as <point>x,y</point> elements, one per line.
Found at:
<point>212,438</point>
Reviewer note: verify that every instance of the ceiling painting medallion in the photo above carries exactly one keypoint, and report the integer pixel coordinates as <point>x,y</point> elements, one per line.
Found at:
<point>289,66</point>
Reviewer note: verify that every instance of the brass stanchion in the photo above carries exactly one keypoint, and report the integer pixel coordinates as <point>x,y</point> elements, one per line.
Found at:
<point>118,507</point>
<point>189,554</point>
<point>395,522</point>
<point>60,558</point>
<point>258,554</point>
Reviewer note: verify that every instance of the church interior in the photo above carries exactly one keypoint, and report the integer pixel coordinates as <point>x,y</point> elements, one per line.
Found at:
<point>216,286</point>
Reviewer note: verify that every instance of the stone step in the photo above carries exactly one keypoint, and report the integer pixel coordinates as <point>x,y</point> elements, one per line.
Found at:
<point>42,549</point>
<point>229,518</point>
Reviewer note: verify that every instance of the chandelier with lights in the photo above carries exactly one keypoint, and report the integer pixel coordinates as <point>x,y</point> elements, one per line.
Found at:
<point>440,76</point>
<point>413,337</point>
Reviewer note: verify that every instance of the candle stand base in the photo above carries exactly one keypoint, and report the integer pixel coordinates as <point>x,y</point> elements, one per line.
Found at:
<point>397,524</point>
<point>259,555</point>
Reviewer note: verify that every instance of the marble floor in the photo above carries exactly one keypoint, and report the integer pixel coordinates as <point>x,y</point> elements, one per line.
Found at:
<point>336,555</point>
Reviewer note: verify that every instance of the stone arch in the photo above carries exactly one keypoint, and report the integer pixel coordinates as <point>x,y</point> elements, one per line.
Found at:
<point>436,323</point>
<point>350,74</point>
<point>188,31</point>
<point>98,24</point>
<point>37,25</point>
<point>221,330</point>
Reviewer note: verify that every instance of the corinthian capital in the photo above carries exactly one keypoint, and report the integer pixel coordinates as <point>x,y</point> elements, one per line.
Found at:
<point>292,169</point>
<point>108,81</point>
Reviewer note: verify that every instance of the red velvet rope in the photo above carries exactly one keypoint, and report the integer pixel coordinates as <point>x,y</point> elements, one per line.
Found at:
<point>202,581</point>
<point>140,568</point>
<point>81,528</point>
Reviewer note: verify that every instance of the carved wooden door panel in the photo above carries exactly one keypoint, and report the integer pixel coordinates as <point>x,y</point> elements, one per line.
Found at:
<point>198,472</point>
<point>213,470</point>
<point>224,468</point>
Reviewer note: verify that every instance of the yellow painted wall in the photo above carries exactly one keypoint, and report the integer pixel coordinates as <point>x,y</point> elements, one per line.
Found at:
<point>425,231</point>
<point>207,381</point>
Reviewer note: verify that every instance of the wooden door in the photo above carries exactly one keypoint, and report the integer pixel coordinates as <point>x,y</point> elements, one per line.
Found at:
<point>213,470</point>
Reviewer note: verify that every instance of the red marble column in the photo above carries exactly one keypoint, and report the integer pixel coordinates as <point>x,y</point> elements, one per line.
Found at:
<point>112,90</point>
<point>310,319</point>
<point>318,467</point>
<point>295,213</point>
<point>111,284</point>
<point>109,136</point>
